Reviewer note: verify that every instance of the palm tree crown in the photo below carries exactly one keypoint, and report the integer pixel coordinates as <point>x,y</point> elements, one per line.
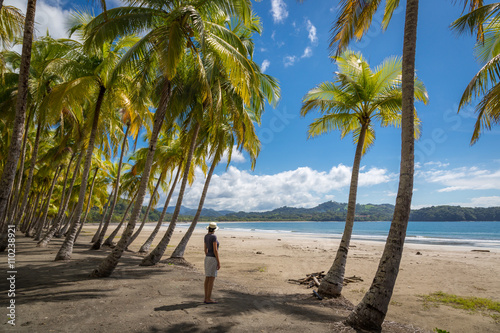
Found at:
<point>359,95</point>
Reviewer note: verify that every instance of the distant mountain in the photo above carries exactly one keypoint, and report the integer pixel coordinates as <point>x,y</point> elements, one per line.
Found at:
<point>205,212</point>
<point>334,211</point>
<point>327,211</point>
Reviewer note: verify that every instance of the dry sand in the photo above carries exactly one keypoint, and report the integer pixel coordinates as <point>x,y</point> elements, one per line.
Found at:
<point>252,288</point>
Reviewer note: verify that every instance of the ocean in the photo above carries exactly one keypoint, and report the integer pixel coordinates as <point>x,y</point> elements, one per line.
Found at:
<point>475,234</point>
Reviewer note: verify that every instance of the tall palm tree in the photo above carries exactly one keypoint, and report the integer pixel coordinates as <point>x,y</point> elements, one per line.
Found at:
<point>485,82</point>
<point>9,170</point>
<point>171,28</point>
<point>170,155</point>
<point>94,72</point>
<point>357,98</point>
<point>354,20</point>
<point>98,242</point>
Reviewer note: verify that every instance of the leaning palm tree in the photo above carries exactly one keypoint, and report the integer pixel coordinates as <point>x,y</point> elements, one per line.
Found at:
<point>230,122</point>
<point>353,103</point>
<point>93,73</point>
<point>354,20</point>
<point>485,82</point>
<point>172,28</point>
<point>9,170</point>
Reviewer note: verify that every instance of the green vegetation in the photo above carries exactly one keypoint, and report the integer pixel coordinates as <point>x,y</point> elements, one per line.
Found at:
<point>472,304</point>
<point>437,330</point>
<point>334,211</point>
<point>328,211</point>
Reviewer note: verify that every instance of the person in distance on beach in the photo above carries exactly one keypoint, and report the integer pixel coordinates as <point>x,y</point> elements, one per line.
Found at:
<point>212,262</point>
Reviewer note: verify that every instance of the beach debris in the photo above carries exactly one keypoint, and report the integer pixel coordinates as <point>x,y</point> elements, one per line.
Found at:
<point>418,253</point>
<point>315,293</point>
<point>259,252</point>
<point>314,279</point>
<point>480,250</point>
<point>279,239</point>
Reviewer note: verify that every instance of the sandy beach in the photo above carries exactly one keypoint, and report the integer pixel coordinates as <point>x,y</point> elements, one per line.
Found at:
<point>252,288</point>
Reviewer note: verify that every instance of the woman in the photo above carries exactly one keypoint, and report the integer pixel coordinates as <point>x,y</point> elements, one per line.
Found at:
<point>212,262</point>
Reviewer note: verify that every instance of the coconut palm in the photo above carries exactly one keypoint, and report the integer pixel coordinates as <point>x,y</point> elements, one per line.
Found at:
<point>93,73</point>
<point>11,24</point>
<point>9,169</point>
<point>357,98</point>
<point>261,87</point>
<point>230,121</point>
<point>171,28</point>
<point>485,82</point>
<point>354,20</point>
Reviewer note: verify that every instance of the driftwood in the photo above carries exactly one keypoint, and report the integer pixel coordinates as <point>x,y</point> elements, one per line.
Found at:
<point>314,279</point>
<point>480,251</point>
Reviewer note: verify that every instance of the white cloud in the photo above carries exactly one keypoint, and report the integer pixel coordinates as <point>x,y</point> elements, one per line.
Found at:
<point>289,60</point>
<point>278,9</point>
<point>307,52</point>
<point>236,156</point>
<point>241,190</point>
<point>464,178</point>
<point>437,164</point>
<point>312,32</point>
<point>492,201</point>
<point>49,16</point>
<point>265,65</point>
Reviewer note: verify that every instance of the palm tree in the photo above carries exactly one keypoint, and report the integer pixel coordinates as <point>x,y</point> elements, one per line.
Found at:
<point>170,155</point>
<point>351,104</point>
<point>485,82</point>
<point>354,21</point>
<point>98,242</point>
<point>9,170</point>
<point>94,73</point>
<point>11,24</point>
<point>172,28</point>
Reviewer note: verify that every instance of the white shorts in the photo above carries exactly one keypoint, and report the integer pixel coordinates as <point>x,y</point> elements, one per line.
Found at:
<point>210,266</point>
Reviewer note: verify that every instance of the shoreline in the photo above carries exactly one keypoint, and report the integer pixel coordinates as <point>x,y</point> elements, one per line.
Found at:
<point>482,244</point>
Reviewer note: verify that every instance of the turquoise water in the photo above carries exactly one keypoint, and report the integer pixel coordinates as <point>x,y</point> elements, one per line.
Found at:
<point>477,234</point>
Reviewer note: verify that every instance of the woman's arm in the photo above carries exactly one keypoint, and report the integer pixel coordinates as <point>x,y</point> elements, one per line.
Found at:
<point>216,252</point>
<point>206,248</point>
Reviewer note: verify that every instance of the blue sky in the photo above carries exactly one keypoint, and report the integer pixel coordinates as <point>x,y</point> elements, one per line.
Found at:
<point>297,172</point>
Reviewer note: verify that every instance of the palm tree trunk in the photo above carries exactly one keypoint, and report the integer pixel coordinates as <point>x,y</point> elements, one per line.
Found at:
<point>67,222</point>
<point>371,311</point>
<point>30,220</point>
<point>181,248</point>
<point>39,212</point>
<point>67,246</point>
<point>134,236</point>
<point>109,240</point>
<point>333,282</point>
<point>60,216</point>
<point>105,211</point>
<point>155,255</point>
<point>34,156</point>
<point>65,184</point>
<point>145,247</point>
<point>49,198</point>
<point>108,265</point>
<point>98,242</point>
<point>24,225</point>
<point>89,201</point>
<point>18,182</point>
<point>9,170</point>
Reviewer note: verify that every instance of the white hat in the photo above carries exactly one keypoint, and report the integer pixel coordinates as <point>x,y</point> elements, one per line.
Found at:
<point>212,225</point>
